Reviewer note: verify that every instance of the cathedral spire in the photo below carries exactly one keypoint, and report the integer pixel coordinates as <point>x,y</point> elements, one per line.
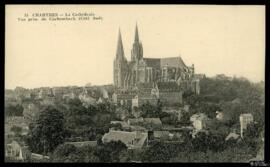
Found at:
<point>136,34</point>
<point>137,50</point>
<point>120,50</point>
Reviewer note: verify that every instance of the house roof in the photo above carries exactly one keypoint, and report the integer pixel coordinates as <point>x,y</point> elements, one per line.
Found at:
<point>236,100</point>
<point>135,120</point>
<point>153,120</point>
<point>123,123</point>
<point>232,135</point>
<point>39,156</point>
<point>126,137</point>
<point>152,62</point>
<point>159,134</point>
<point>246,115</point>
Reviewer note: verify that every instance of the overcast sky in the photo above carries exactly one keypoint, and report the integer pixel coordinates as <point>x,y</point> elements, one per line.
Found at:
<point>217,39</point>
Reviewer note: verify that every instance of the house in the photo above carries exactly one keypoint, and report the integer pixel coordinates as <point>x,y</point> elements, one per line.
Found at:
<point>83,144</point>
<point>220,115</point>
<point>17,151</point>
<point>232,136</point>
<point>186,108</point>
<point>138,128</point>
<point>199,121</point>
<point>122,98</point>
<point>133,140</point>
<point>68,96</point>
<point>143,98</point>
<point>152,122</point>
<point>123,124</point>
<point>159,135</point>
<point>245,120</point>
<point>146,122</point>
<point>100,100</point>
<point>86,99</point>
<point>135,121</point>
<point>39,157</point>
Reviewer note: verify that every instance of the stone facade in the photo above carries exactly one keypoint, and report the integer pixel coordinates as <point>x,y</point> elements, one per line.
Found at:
<point>245,119</point>
<point>144,80</point>
<point>128,74</point>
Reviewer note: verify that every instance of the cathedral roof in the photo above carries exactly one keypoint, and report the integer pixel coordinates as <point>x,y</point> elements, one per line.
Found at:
<point>170,61</point>
<point>173,62</point>
<point>152,62</point>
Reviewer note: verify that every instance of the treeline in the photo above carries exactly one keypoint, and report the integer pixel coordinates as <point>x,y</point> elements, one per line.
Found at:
<point>231,96</point>
<point>211,147</point>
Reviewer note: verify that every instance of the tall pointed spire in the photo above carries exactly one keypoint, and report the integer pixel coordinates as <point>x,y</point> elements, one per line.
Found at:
<point>120,50</point>
<point>136,34</point>
<point>137,50</point>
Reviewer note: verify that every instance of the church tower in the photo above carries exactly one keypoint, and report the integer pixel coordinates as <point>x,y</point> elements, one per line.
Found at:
<point>137,50</point>
<point>120,63</point>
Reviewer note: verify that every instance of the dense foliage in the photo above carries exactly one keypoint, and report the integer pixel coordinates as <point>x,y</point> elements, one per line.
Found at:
<point>13,110</point>
<point>231,96</point>
<point>113,151</point>
<point>47,132</point>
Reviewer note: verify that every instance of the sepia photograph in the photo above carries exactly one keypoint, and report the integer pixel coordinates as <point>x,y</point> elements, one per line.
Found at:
<point>134,83</point>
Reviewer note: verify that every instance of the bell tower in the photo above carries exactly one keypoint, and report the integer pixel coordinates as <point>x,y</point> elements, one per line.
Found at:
<point>137,49</point>
<point>120,63</point>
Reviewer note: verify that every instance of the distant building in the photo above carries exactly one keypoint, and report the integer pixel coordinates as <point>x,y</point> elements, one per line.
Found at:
<point>186,108</point>
<point>220,115</point>
<point>233,136</point>
<point>44,92</point>
<point>86,99</point>
<point>199,121</point>
<point>140,99</point>
<point>39,157</point>
<point>135,121</point>
<point>152,123</point>
<point>161,135</point>
<point>133,140</point>
<point>124,124</point>
<point>245,120</point>
<point>123,98</point>
<point>69,96</point>
<point>17,151</point>
<point>100,100</point>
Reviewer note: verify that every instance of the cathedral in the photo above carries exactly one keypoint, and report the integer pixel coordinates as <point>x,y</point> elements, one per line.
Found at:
<point>152,73</point>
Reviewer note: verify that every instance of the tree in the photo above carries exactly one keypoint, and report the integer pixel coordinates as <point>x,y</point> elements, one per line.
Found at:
<point>111,152</point>
<point>47,132</point>
<point>70,153</point>
<point>251,136</point>
<point>16,129</point>
<point>212,141</point>
<point>63,152</point>
<point>13,110</point>
<point>158,152</point>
